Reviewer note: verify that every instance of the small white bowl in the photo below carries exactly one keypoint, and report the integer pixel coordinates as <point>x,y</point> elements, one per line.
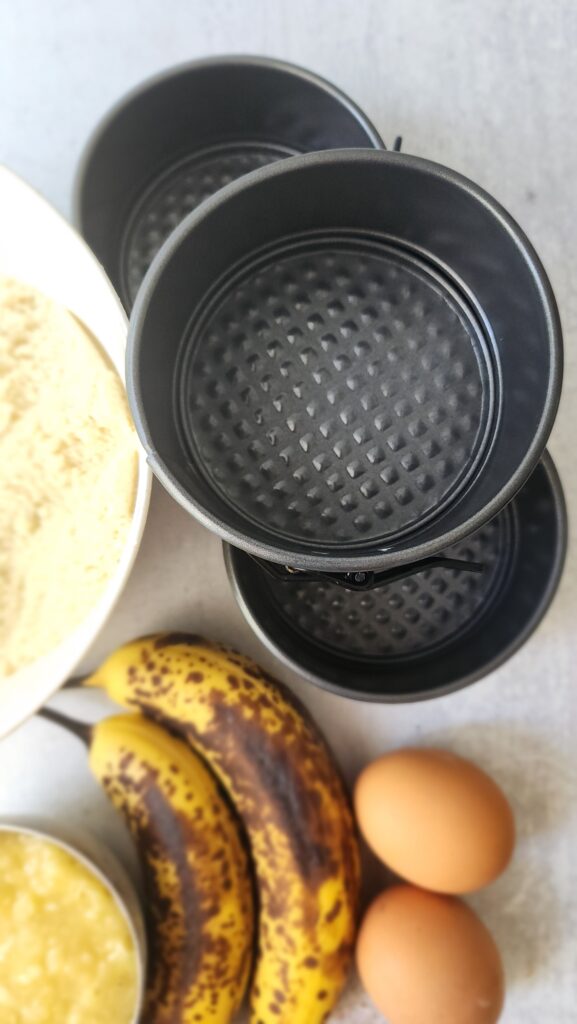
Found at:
<point>101,863</point>
<point>38,247</point>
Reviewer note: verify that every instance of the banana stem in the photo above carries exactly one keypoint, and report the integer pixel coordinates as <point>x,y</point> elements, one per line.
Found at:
<point>80,729</point>
<point>76,683</point>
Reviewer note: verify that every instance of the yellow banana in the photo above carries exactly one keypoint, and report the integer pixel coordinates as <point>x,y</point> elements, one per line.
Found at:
<point>195,867</point>
<point>283,781</point>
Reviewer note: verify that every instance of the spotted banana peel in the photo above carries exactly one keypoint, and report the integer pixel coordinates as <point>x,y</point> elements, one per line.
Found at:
<point>282,779</point>
<point>196,870</point>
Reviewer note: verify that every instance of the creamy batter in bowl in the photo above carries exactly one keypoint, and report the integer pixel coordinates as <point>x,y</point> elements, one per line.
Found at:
<point>68,471</point>
<point>39,249</point>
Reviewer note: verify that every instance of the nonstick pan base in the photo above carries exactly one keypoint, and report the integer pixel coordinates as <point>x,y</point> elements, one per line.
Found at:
<point>339,389</point>
<point>427,634</point>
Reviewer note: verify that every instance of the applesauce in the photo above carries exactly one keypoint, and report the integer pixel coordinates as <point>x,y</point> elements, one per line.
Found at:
<point>67,954</point>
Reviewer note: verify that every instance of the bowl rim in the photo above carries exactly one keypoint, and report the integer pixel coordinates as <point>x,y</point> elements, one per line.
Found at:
<point>130,912</point>
<point>294,165</point>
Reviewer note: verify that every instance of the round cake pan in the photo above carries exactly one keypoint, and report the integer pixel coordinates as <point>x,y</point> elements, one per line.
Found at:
<point>181,136</point>
<point>427,634</point>
<point>345,361</point>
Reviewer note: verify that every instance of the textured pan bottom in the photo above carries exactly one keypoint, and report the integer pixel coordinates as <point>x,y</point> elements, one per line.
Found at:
<point>177,191</point>
<point>410,616</point>
<point>338,390</point>
<point>429,633</point>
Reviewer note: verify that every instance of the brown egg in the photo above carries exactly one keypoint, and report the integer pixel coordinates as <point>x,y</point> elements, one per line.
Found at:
<point>435,819</point>
<point>428,959</point>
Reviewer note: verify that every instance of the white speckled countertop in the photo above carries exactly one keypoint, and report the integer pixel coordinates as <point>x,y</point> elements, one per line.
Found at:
<point>488,88</point>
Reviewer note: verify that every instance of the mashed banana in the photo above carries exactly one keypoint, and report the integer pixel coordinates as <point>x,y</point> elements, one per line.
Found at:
<point>66,953</point>
<point>68,469</point>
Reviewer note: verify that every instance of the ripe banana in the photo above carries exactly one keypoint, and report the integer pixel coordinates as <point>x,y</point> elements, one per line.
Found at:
<point>195,869</point>
<point>284,783</point>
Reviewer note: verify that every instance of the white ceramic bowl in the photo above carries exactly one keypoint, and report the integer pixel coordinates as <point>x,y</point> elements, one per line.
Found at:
<point>39,247</point>
<point>105,867</point>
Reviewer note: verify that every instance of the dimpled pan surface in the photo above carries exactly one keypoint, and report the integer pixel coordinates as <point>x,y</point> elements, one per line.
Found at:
<point>328,373</point>
<point>429,633</point>
<point>178,138</point>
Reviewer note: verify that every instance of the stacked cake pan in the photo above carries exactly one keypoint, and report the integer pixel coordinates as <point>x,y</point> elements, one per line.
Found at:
<point>345,362</point>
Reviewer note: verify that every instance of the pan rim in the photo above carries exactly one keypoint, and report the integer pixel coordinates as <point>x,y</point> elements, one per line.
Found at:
<point>181,70</point>
<point>382,559</point>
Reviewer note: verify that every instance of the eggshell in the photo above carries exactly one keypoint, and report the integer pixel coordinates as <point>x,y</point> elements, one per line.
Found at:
<point>435,819</point>
<point>428,959</point>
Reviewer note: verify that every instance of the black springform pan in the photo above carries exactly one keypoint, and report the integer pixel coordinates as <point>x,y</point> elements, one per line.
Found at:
<point>345,361</point>
<point>184,134</point>
<point>426,634</point>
